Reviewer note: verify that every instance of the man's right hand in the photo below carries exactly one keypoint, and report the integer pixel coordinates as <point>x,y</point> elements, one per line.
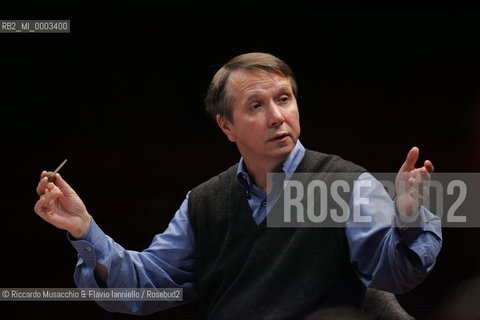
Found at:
<point>60,205</point>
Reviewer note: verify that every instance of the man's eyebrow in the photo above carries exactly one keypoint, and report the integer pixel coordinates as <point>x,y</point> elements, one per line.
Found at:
<point>281,89</point>
<point>250,97</point>
<point>284,88</point>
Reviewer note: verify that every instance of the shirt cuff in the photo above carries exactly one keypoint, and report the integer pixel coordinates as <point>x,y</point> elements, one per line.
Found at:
<point>422,221</point>
<point>92,247</point>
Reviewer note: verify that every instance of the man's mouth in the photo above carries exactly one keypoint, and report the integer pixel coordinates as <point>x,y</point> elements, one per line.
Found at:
<point>279,136</point>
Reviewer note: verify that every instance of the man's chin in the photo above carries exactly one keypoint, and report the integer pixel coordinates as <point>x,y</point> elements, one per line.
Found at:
<point>283,148</point>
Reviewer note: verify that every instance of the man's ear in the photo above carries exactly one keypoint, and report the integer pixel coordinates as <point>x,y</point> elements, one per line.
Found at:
<point>227,127</point>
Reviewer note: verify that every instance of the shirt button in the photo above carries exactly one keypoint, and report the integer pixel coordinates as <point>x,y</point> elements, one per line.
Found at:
<point>88,249</point>
<point>264,203</point>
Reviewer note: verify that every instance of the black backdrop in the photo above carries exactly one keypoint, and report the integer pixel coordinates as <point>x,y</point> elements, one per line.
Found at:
<point>121,98</point>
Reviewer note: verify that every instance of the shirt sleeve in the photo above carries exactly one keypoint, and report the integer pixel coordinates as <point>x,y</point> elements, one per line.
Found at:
<point>389,254</point>
<point>169,262</point>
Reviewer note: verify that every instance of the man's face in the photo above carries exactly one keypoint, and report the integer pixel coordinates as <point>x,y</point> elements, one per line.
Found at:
<point>265,115</point>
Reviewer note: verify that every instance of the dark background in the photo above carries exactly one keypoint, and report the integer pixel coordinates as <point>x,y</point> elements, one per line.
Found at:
<point>121,98</point>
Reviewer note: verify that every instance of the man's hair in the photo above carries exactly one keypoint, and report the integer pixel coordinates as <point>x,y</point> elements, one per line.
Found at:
<point>219,100</point>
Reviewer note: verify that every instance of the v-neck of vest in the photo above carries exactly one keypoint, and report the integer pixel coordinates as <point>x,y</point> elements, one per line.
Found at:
<point>239,193</point>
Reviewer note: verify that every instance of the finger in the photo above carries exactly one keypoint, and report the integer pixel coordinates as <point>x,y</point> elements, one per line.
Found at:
<point>42,185</point>
<point>415,191</point>
<point>407,186</point>
<point>40,207</point>
<point>428,165</point>
<point>64,186</point>
<point>411,184</point>
<point>50,186</point>
<point>404,181</point>
<point>410,160</point>
<point>422,175</point>
<point>51,194</point>
<point>43,174</point>
<point>418,188</point>
<point>44,208</point>
<point>422,179</point>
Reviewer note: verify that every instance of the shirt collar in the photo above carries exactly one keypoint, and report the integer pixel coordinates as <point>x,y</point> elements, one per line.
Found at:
<point>289,166</point>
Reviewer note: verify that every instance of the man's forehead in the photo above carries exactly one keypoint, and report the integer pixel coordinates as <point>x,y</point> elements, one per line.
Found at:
<point>243,81</point>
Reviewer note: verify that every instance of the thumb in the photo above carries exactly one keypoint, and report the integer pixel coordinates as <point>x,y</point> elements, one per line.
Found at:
<point>410,161</point>
<point>64,186</point>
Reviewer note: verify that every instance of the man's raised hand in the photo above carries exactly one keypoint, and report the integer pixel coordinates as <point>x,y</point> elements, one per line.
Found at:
<point>412,184</point>
<point>60,205</point>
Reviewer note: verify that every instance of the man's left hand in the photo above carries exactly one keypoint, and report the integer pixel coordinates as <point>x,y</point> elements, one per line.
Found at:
<point>411,184</point>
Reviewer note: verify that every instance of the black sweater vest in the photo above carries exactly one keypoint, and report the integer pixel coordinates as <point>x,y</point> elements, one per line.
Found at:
<point>249,271</point>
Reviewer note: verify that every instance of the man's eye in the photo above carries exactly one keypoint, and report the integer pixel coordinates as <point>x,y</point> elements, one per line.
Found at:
<point>255,106</point>
<point>284,99</point>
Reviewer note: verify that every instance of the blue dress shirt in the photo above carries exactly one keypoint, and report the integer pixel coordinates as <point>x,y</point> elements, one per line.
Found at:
<point>390,257</point>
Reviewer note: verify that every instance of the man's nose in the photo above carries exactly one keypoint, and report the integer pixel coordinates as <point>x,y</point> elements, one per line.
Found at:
<point>275,116</point>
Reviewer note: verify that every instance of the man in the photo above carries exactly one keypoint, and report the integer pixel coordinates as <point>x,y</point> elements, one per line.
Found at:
<point>218,248</point>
